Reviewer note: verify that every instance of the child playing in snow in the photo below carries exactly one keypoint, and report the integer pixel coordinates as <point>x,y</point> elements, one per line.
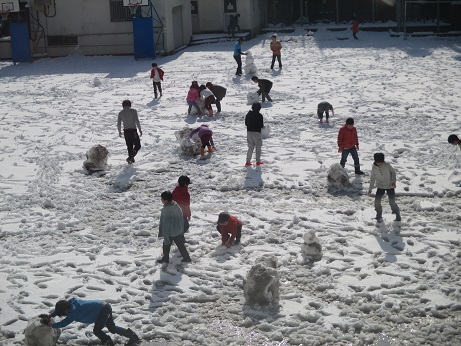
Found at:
<point>129,117</point>
<point>265,87</point>
<point>91,311</point>
<point>355,27</point>
<point>219,92</point>
<point>206,138</point>
<point>324,107</point>
<point>383,175</point>
<point>348,143</point>
<point>230,228</point>
<point>276,48</point>
<point>192,97</point>
<point>254,122</point>
<point>208,97</point>
<point>156,74</point>
<point>453,139</point>
<point>182,197</point>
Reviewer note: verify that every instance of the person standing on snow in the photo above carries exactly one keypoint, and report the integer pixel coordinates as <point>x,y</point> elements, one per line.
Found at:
<point>276,48</point>
<point>171,228</point>
<point>129,117</point>
<point>355,27</point>
<point>383,175</point>
<point>156,74</point>
<point>182,197</point>
<point>238,56</point>
<point>348,143</point>
<point>254,122</point>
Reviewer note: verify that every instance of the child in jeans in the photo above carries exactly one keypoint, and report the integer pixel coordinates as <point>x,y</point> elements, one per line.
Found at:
<point>230,228</point>
<point>156,74</point>
<point>91,311</point>
<point>348,143</point>
<point>383,175</point>
<point>192,97</point>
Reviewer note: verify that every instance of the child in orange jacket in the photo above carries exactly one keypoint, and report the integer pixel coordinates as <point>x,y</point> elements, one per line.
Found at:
<point>230,228</point>
<point>348,143</point>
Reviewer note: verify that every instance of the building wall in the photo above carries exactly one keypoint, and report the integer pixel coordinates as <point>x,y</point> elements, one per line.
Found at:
<point>214,16</point>
<point>165,10</point>
<point>90,21</point>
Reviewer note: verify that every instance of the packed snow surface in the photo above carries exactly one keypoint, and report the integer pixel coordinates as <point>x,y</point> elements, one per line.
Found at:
<point>65,234</point>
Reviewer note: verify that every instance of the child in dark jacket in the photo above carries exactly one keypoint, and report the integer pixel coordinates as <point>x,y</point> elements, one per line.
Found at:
<point>254,122</point>
<point>230,228</point>
<point>265,87</point>
<point>219,92</point>
<point>91,311</point>
<point>182,197</point>
<point>348,143</point>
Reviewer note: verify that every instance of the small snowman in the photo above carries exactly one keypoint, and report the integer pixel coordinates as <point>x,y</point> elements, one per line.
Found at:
<point>311,250</point>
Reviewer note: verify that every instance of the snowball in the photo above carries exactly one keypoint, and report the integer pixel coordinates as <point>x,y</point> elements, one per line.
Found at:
<point>263,281</point>
<point>252,97</point>
<point>96,158</point>
<point>337,176</point>
<point>39,334</point>
<point>265,131</point>
<point>188,146</point>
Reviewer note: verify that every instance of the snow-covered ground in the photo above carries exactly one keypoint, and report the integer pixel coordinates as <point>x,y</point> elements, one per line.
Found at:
<point>66,234</point>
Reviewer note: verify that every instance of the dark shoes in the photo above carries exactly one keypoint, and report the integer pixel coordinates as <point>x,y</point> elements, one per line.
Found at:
<point>163,260</point>
<point>133,338</point>
<point>130,160</point>
<point>186,260</point>
<point>237,241</point>
<point>359,172</point>
<point>108,342</point>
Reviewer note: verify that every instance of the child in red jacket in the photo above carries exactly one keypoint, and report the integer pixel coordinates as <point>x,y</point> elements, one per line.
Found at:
<point>182,197</point>
<point>156,74</point>
<point>348,143</point>
<point>230,228</point>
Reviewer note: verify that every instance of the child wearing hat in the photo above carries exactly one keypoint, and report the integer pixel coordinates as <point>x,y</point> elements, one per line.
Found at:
<point>182,197</point>
<point>230,228</point>
<point>383,176</point>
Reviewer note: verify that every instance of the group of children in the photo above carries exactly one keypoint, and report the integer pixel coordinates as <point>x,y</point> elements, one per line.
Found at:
<point>207,94</point>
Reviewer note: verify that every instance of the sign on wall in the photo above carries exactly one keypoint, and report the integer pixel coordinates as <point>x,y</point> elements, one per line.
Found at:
<point>230,6</point>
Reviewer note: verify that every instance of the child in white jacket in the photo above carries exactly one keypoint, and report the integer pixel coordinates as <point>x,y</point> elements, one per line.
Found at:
<point>383,175</point>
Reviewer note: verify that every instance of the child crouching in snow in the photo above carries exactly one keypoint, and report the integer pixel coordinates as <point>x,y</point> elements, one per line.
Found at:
<point>230,228</point>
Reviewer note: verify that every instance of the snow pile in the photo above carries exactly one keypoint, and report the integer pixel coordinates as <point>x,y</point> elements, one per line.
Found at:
<point>337,177</point>
<point>263,282</point>
<point>187,145</point>
<point>311,250</point>
<point>252,97</point>
<point>96,82</point>
<point>265,132</point>
<point>96,158</point>
<point>37,333</point>
<point>250,67</point>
